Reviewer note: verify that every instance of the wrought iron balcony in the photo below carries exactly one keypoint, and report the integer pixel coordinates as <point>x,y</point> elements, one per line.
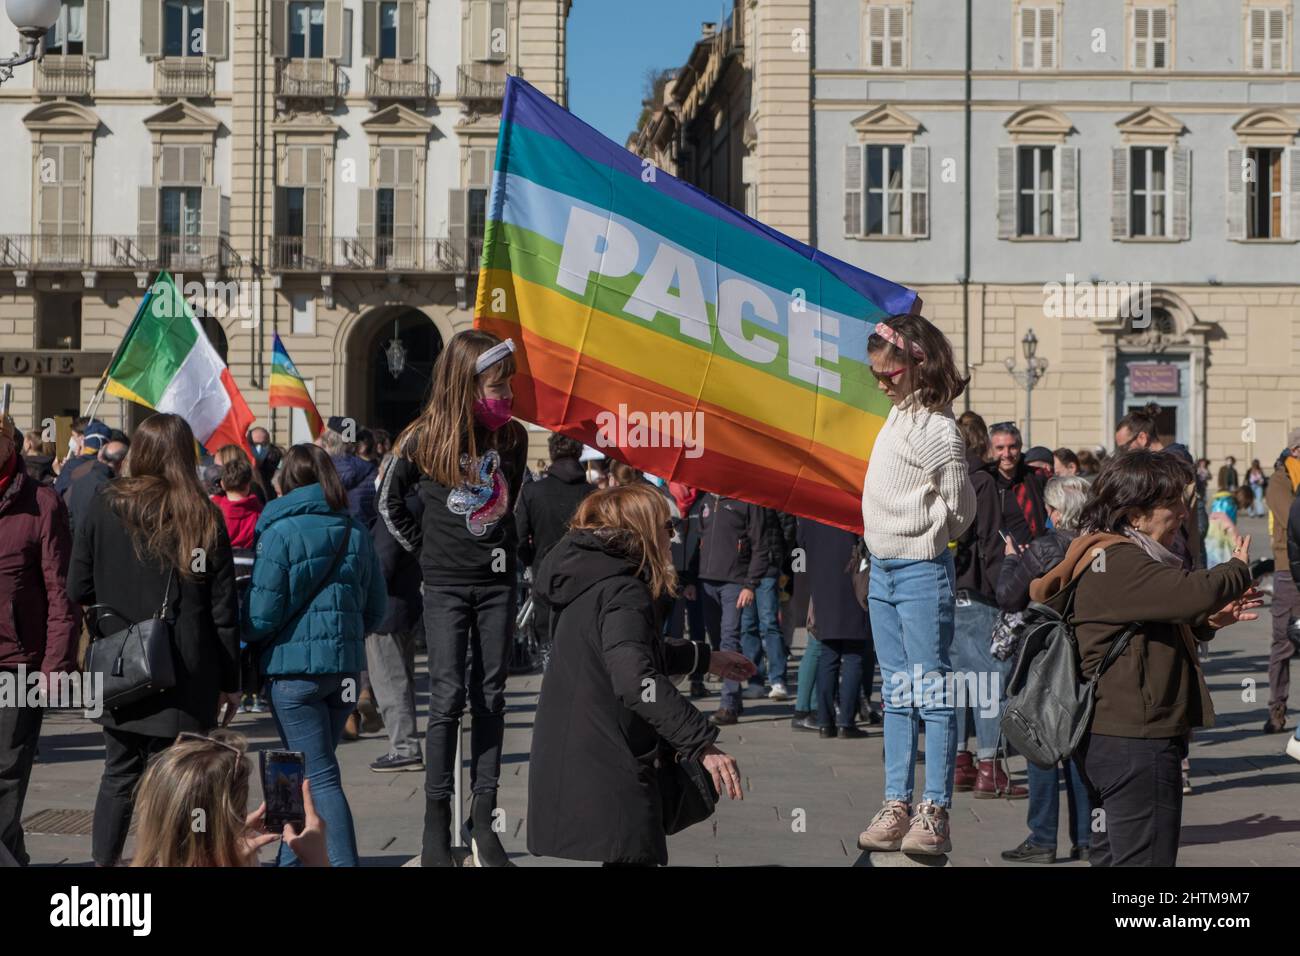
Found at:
<point>64,76</point>
<point>391,80</point>
<point>322,80</point>
<point>184,76</point>
<point>481,81</point>
<point>75,251</point>
<point>315,254</point>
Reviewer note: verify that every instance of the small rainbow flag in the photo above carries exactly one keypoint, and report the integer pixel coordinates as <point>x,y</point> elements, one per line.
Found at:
<point>673,332</point>
<point>288,390</point>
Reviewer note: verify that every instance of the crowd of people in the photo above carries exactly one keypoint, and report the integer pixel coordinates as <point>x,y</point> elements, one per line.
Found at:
<point>306,580</point>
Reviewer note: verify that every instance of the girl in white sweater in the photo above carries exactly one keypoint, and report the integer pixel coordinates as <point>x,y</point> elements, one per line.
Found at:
<point>916,499</point>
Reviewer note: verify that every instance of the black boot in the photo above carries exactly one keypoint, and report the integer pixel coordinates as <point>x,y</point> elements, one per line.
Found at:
<point>480,836</point>
<point>436,849</point>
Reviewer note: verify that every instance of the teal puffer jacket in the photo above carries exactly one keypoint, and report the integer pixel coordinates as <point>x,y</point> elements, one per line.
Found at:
<point>296,541</point>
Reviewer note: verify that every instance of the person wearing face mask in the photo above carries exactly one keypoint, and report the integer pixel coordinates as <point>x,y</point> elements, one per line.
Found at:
<point>468,457</point>
<point>35,546</point>
<point>1153,693</point>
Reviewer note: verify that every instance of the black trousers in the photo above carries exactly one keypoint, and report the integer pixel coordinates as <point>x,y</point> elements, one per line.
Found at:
<point>126,755</point>
<point>463,624</point>
<point>1137,784</point>
<point>20,729</point>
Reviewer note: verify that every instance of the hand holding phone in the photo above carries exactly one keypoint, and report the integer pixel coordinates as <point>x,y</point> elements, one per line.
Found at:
<point>283,775</point>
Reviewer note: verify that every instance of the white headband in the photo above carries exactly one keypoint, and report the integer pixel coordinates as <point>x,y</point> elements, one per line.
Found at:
<point>493,355</point>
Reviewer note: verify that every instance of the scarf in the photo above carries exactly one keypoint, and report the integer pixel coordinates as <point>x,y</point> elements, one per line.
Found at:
<point>1293,471</point>
<point>1154,549</point>
<point>684,495</point>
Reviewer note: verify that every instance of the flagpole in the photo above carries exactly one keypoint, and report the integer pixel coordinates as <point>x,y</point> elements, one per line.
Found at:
<point>98,397</point>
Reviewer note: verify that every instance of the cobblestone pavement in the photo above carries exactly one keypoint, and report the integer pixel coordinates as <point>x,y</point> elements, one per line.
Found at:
<point>1243,812</point>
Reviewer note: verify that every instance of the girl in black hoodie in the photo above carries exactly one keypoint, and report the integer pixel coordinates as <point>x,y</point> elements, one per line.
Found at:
<point>468,456</point>
<point>608,712</point>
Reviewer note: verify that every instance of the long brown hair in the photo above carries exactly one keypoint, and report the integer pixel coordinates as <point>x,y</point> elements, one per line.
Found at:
<point>935,376</point>
<point>206,775</point>
<point>631,518</point>
<point>445,429</point>
<point>312,465</point>
<point>159,498</point>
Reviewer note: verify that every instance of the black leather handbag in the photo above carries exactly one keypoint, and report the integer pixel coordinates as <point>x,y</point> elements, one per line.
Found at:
<point>689,796</point>
<point>135,662</point>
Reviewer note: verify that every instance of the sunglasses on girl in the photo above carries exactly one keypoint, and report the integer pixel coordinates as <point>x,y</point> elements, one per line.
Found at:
<point>888,376</point>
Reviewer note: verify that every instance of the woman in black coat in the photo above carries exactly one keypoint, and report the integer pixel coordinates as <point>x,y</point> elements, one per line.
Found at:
<point>608,711</point>
<point>148,534</point>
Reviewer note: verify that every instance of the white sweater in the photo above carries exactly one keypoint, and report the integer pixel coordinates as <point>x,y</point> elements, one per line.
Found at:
<point>917,495</point>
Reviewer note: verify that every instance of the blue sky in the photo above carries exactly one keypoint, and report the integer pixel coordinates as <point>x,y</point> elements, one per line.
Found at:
<point>612,43</point>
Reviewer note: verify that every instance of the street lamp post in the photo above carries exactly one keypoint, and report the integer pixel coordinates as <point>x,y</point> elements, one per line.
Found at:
<point>1035,368</point>
<point>32,18</point>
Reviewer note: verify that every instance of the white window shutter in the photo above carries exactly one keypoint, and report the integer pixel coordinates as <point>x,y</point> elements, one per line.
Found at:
<point>1258,38</point>
<point>387,173</point>
<point>1236,194</point>
<point>1141,34</point>
<point>1006,192</point>
<point>406,30</point>
<point>48,178</point>
<point>917,165</point>
<point>96,29</point>
<point>1292,204</point>
<point>370,29</point>
<point>279,13</point>
<point>479,30</point>
<point>210,215</point>
<point>876,37</point>
<point>313,221</point>
<point>169,164</point>
<point>1028,38</point>
<point>853,189</point>
<point>146,229</point>
<point>151,28</point>
<point>1047,38</point>
<point>406,166</point>
<point>1160,38</point>
<point>897,37</point>
<point>1067,168</point>
<point>1181,226</point>
<point>479,166</point>
<point>334,38</point>
<point>313,171</point>
<point>1119,198</point>
<point>405,216</point>
<point>192,165</point>
<point>366,220</point>
<point>1276,38</point>
<point>215,18</point>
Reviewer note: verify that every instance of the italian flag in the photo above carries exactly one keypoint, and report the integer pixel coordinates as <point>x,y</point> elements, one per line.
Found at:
<point>167,363</point>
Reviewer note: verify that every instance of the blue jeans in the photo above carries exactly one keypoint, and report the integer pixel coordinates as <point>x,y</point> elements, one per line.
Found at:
<point>911,605</point>
<point>761,632</point>
<point>981,673</point>
<point>688,616</point>
<point>808,675</point>
<point>1045,804</point>
<point>839,674</point>
<point>310,713</point>
<point>722,618</point>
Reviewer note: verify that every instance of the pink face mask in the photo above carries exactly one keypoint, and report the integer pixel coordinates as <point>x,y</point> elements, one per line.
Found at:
<point>492,413</point>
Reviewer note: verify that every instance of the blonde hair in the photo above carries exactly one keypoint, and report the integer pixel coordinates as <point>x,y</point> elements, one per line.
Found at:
<point>631,517</point>
<point>192,804</point>
<point>445,429</point>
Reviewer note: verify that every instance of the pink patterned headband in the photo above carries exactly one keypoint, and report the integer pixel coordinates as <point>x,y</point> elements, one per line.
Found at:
<point>895,339</point>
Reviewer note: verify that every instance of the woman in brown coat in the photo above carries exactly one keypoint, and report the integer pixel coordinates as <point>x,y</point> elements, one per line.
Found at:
<point>1154,692</point>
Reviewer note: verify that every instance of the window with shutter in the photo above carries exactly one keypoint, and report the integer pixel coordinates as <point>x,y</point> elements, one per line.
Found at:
<point>1039,31</point>
<point>1265,193</point>
<point>1006,192</point>
<point>1149,191</point>
<point>1151,38</point>
<point>216,16</point>
<point>1181,227</point>
<point>876,37</point>
<point>885,192</point>
<point>1236,193</point>
<point>497,41</point>
<point>479,27</point>
<point>1067,192</point>
<point>918,191</point>
<point>1266,42</point>
<point>1119,192</point>
<point>885,36</point>
<point>1037,191</point>
<point>67,36</point>
<point>480,166</point>
<point>853,190</point>
<point>897,18</point>
<point>405,49</point>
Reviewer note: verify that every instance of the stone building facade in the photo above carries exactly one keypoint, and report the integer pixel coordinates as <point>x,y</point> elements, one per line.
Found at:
<point>320,168</point>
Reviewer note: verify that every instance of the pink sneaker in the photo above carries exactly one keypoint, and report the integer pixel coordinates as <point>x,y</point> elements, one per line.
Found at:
<point>928,835</point>
<point>887,828</point>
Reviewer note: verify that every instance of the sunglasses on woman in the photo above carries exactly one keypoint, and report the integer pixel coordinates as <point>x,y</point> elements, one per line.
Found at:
<point>888,376</point>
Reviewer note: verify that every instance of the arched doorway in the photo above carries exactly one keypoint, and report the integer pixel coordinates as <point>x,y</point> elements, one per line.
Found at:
<point>391,384</point>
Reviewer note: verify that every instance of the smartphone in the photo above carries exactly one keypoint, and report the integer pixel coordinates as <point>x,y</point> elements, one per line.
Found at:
<point>283,772</point>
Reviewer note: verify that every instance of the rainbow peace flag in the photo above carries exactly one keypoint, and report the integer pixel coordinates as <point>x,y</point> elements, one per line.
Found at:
<point>288,390</point>
<point>672,332</point>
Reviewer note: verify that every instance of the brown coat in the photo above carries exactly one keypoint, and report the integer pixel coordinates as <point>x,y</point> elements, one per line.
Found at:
<point>1278,496</point>
<point>1155,689</point>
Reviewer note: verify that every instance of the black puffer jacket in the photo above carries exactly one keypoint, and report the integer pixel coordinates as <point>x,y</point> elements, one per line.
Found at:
<point>607,710</point>
<point>546,507</point>
<point>1018,570</point>
<point>778,539</point>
